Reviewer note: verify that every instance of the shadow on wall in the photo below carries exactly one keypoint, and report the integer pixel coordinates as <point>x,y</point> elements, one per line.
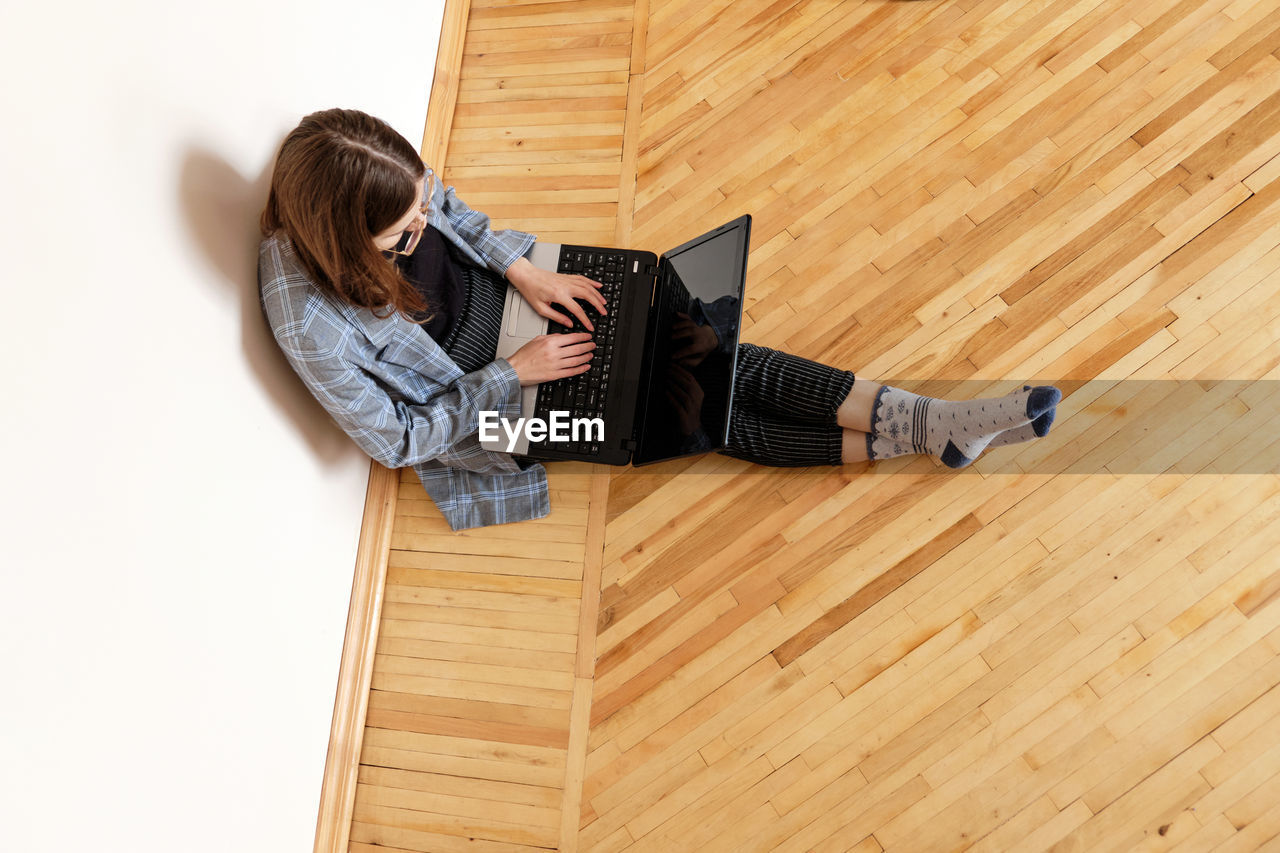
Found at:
<point>222,210</point>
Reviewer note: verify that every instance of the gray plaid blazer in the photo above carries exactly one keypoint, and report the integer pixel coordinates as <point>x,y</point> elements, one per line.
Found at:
<point>395,391</point>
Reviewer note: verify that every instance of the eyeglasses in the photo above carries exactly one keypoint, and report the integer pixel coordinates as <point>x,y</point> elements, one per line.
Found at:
<point>412,236</point>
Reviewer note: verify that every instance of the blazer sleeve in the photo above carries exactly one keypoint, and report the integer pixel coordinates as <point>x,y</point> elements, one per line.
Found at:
<point>497,249</point>
<point>397,433</point>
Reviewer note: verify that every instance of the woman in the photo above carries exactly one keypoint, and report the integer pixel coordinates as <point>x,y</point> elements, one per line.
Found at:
<point>385,294</point>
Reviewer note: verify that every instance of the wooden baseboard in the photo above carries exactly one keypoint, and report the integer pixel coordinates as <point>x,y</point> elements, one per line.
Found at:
<point>338,791</point>
<point>337,796</point>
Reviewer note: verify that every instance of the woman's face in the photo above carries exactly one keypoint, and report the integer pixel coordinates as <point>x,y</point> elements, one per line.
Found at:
<point>388,239</point>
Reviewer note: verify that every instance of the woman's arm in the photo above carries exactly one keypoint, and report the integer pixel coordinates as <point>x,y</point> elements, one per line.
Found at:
<point>471,231</point>
<point>504,252</point>
<point>395,433</point>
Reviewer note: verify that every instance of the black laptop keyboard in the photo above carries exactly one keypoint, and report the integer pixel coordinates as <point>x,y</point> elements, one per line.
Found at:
<point>583,395</point>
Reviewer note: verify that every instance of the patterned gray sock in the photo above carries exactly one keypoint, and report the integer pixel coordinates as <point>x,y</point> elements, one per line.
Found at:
<point>955,431</point>
<point>1038,428</point>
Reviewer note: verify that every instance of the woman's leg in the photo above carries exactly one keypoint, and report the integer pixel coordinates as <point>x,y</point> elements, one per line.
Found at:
<point>768,439</point>
<point>896,422</point>
<point>795,389</point>
<point>855,412</point>
<point>796,406</point>
<point>853,446</point>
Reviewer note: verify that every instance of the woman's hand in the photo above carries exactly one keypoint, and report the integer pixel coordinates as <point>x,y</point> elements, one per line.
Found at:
<point>548,357</point>
<point>543,287</point>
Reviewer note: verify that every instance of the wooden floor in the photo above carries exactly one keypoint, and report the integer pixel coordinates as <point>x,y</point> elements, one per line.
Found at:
<point>1074,644</point>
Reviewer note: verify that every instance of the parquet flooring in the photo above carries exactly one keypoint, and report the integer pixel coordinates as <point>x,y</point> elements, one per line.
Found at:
<point>1074,644</point>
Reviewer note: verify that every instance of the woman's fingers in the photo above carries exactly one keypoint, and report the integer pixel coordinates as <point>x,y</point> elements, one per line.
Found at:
<point>573,350</point>
<point>578,349</point>
<point>557,316</point>
<point>566,294</point>
<point>573,306</point>
<point>586,289</point>
<point>553,356</point>
<point>593,294</point>
<point>579,313</point>
<point>564,339</point>
<point>577,354</point>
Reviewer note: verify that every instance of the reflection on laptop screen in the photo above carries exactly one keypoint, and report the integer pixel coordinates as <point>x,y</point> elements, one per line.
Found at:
<point>694,348</point>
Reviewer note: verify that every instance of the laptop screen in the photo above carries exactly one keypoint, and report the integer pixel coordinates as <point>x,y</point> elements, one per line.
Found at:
<point>693,345</point>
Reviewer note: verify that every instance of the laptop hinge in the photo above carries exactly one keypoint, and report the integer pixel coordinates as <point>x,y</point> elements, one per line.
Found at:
<point>650,269</point>
<point>629,444</point>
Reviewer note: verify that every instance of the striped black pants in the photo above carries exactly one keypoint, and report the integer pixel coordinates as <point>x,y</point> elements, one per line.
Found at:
<point>784,406</point>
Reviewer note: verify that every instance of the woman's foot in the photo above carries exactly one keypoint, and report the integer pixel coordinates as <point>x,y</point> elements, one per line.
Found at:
<point>955,431</point>
<point>1038,428</point>
<point>854,443</point>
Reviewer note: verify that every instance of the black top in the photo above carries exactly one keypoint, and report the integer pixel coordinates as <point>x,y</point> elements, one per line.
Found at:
<point>437,275</point>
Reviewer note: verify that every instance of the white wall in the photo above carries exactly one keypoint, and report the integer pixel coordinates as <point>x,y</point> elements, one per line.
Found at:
<point>180,518</point>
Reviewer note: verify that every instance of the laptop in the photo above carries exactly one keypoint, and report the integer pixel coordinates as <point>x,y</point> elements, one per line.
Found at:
<point>661,379</point>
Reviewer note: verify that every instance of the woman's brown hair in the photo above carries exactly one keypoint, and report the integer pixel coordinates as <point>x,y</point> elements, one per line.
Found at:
<point>341,177</point>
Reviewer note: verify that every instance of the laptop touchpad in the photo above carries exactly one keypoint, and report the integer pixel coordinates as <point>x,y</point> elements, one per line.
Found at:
<point>526,322</point>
